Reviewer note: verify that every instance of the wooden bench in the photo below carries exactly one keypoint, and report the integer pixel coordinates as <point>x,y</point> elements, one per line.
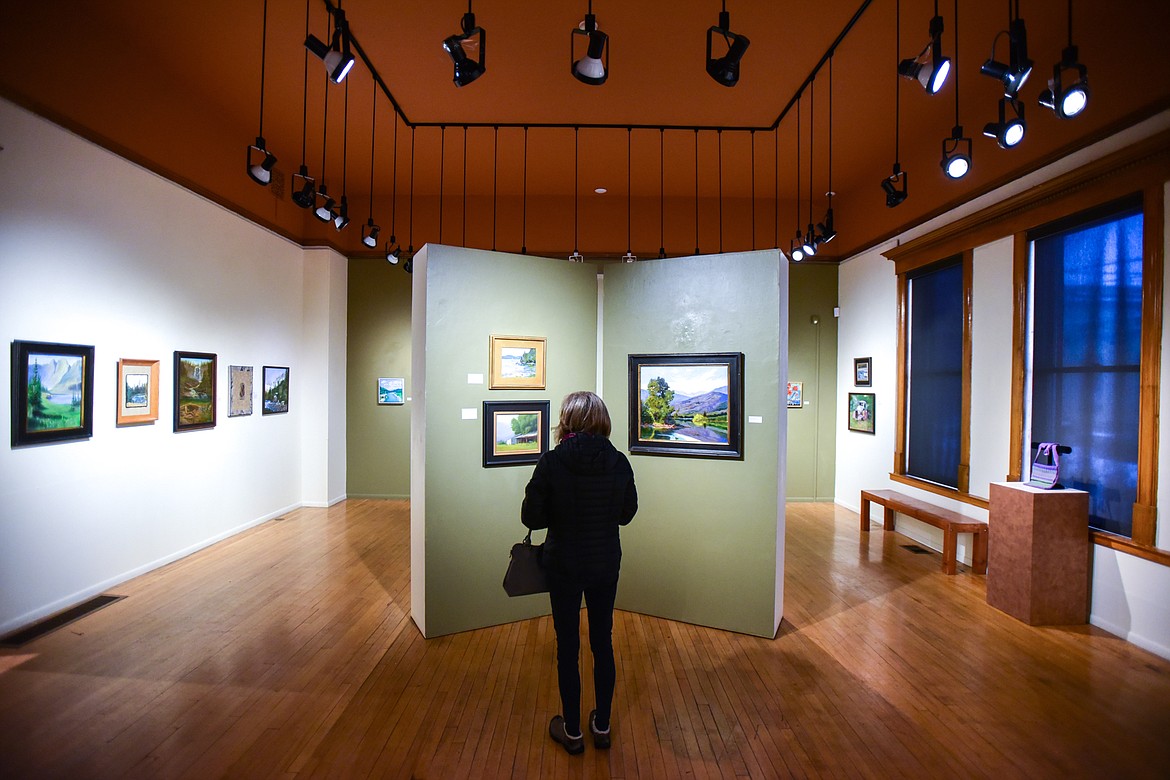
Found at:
<point>951,523</point>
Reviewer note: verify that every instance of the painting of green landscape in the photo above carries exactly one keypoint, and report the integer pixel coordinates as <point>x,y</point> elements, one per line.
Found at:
<point>194,390</point>
<point>684,403</point>
<point>275,390</point>
<point>517,432</point>
<point>55,392</point>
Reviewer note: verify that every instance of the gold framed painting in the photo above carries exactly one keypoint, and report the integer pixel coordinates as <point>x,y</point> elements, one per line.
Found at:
<point>517,363</point>
<point>137,391</point>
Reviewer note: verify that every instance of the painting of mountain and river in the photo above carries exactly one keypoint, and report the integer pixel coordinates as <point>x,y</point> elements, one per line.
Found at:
<point>52,392</point>
<point>686,404</point>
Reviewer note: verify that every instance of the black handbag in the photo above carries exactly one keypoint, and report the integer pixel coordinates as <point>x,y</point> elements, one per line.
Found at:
<point>525,574</point>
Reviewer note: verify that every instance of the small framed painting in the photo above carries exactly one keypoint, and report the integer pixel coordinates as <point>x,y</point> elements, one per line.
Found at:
<point>795,395</point>
<point>517,363</point>
<point>862,372</point>
<point>391,390</point>
<point>514,432</point>
<point>861,412</point>
<point>687,404</point>
<point>52,392</point>
<point>137,391</point>
<point>194,390</point>
<point>240,400</point>
<point>275,390</point>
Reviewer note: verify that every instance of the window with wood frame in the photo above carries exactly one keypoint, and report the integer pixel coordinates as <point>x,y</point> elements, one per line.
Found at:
<point>1085,317</point>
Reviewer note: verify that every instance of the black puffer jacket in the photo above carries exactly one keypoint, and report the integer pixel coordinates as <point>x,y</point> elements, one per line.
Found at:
<point>581,492</point>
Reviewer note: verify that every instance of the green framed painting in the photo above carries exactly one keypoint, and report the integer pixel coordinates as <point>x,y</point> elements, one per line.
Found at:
<point>194,390</point>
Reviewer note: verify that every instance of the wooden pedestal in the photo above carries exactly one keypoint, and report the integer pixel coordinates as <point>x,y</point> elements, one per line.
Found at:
<point>1038,557</point>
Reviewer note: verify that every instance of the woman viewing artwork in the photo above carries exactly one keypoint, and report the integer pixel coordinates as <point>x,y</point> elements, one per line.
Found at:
<point>582,491</point>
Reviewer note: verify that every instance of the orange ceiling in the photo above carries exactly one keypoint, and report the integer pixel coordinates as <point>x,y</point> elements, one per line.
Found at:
<point>176,86</point>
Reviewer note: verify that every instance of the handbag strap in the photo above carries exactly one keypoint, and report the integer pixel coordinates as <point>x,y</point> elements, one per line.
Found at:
<point>528,537</point>
<point>1052,450</point>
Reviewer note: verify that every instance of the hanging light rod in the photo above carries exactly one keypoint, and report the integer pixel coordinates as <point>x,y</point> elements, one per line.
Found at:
<point>356,47</point>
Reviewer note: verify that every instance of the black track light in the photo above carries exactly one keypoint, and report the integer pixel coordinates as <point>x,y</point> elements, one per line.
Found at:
<point>1019,67</point>
<point>593,68</point>
<point>1009,130</point>
<point>468,51</point>
<point>956,157</point>
<point>341,216</point>
<point>809,242</point>
<point>408,261</point>
<point>304,188</point>
<point>337,56</point>
<point>796,248</point>
<point>370,233</point>
<point>930,68</point>
<point>826,231</point>
<point>393,251</point>
<point>1067,101</point>
<point>894,186</point>
<point>725,69</point>
<point>324,210</point>
<point>260,162</point>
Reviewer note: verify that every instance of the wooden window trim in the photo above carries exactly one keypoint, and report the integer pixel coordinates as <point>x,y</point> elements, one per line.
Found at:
<point>1141,167</point>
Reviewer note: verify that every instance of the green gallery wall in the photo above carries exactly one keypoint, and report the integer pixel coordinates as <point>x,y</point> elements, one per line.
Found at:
<point>464,517</point>
<point>378,437</point>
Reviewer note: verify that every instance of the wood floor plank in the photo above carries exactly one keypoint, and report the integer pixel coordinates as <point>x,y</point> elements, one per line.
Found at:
<point>288,652</point>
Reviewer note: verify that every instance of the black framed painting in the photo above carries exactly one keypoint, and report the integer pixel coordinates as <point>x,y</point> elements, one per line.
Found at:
<point>686,404</point>
<point>862,371</point>
<point>52,392</point>
<point>515,433</point>
<point>862,408</point>
<point>194,390</point>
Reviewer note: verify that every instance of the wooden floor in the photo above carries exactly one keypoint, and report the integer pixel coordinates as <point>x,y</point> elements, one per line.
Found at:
<point>288,651</point>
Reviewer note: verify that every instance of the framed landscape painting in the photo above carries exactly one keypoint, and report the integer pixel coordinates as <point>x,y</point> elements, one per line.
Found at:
<point>52,392</point>
<point>517,363</point>
<point>240,395</point>
<point>862,372</point>
<point>795,395</point>
<point>514,432</point>
<point>861,412</point>
<point>194,390</point>
<point>137,391</point>
<point>687,404</point>
<point>390,390</point>
<point>275,390</point>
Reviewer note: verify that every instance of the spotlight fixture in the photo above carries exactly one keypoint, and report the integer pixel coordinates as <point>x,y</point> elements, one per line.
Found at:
<point>1008,131</point>
<point>393,251</point>
<point>725,69</point>
<point>826,232</point>
<point>629,257</point>
<point>930,68</point>
<point>796,249</point>
<point>956,157</point>
<point>304,188</point>
<point>408,261</point>
<point>1019,67</point>
<point>370,233</point>
<point>337,56</point>
<point>895,194</point>
<point>576,257</point>
<point>260,172</point>
<point>1068,101</point>
<point>809,242</point>
<point>468,51</point>
<point>593,68</point>
<point>324,210</point>
<point>341,216</point>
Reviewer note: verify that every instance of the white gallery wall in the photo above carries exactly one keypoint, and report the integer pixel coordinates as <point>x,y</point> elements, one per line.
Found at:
<point>1129,594</point>
<point>97,251</point>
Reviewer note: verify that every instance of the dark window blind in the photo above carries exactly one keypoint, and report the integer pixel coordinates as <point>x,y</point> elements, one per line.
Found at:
<point>935,392</point>
<point>1086,355</point>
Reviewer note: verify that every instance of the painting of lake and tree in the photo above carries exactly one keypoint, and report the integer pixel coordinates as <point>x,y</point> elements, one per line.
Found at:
<point>194,390</point>
<point>687,404</point>
<point>56,392</point>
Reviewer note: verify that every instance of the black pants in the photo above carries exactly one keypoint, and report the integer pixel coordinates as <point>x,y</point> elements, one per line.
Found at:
<point>566,612</point>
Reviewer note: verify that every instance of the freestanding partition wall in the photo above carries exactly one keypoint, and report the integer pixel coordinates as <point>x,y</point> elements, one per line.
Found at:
<point>707,545</point>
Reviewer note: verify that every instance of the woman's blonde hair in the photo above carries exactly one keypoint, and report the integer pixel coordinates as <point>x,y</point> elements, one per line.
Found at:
<point>583,412</point>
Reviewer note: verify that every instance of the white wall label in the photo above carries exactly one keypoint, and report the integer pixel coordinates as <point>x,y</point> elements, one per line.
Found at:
<point>754,418</point>
<point>471,414</point>
<point>475,379</point>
